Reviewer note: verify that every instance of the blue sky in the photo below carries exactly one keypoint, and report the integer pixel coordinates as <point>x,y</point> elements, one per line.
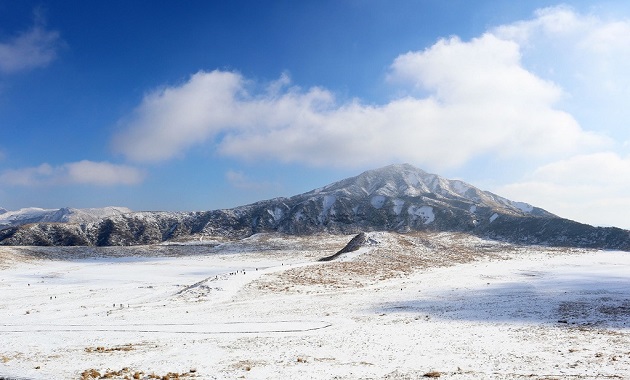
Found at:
<point>202,105</point>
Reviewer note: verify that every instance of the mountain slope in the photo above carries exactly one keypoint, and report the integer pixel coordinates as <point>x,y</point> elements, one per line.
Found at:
<point>398,198</point>
<point>62,215</point>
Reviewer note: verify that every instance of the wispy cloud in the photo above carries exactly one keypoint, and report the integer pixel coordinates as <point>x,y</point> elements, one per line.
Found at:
<point>240,180</point>
<point>592,188</point>
<point>30,49</point>
<point>587,55</point>
<point>82,172</point>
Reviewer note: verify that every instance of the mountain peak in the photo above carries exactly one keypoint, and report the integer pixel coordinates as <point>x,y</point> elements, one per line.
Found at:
<point>402,182</point>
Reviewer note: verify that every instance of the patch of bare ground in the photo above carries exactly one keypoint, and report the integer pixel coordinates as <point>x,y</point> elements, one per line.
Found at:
<point>102,350</point>
<point>10,256</point>
<point>246,365</point>
<point>415,375</point>
<point>432,374</point>
<point>5,358</point>
<point>269,244</point>
<point>280,242</point>
<point>395,255</point>
<point>129,374</point>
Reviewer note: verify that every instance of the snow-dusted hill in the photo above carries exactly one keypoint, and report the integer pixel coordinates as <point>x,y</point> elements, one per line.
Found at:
<point>62,215</point>
<point>398,198</point>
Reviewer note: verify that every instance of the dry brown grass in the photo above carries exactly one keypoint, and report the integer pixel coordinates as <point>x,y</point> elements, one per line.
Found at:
<point>396,255</point>
<point>10,256</point>
<point>5,358</point>
<point>432,374</point>
<point>101,349</point>
<point>89,374</point>
<point>128,374</point>
<point>247,365</point>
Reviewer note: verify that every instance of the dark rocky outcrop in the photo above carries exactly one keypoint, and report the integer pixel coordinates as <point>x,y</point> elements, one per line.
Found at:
<point>353,245</point>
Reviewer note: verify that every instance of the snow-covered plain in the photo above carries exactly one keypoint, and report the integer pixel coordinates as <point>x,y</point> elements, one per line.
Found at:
<point>403,307</point>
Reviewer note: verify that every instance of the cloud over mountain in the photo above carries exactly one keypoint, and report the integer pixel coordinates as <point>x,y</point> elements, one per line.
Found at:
<point>463,99</point>
<point>596,185</point>
<point>82,172</point>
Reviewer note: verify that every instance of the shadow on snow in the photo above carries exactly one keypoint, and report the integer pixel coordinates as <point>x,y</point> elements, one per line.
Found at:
<point>586,299</point>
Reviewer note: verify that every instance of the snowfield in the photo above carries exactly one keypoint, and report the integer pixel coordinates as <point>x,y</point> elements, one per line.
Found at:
<point>402,307</point>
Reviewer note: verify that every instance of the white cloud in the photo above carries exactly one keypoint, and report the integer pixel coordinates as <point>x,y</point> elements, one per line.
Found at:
<point>172,119</point>
<point>82,172</point>
<point>592,188</point>
<point>34,48</point>
<point>483,102</point>
<point>102,173</point>
<point>569,30</point>
<point>587,55</point>
<point>483,97</point>
<point>27,176</point>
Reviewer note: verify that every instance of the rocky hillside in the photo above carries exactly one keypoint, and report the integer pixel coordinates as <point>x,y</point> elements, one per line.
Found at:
<point>62,215</point>
<point>398,198</point>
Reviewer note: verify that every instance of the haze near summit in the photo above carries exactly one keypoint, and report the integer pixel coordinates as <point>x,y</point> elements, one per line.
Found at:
<point>216,105</point>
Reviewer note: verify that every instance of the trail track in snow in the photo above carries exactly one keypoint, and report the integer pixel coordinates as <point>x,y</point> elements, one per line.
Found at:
<point>178,328</point>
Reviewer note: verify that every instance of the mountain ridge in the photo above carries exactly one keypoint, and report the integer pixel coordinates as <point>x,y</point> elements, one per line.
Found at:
<point>398,198</point>
<point>63,215</point>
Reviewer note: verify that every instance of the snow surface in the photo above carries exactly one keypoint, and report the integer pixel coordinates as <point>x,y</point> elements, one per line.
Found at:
<point>398,206</point>
<point>329,201</point>
<point>459,187</point>
<point>525,207</point>
<point>276,214</point>
<point>494,217</point>
<point>11,217</point>
<point>537,314</point>
<point>377,201</point>
<point>424,212</point>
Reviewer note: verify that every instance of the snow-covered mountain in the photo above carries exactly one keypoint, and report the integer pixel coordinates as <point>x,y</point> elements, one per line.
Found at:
<point>398,198</point>
<point>62,215</point>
